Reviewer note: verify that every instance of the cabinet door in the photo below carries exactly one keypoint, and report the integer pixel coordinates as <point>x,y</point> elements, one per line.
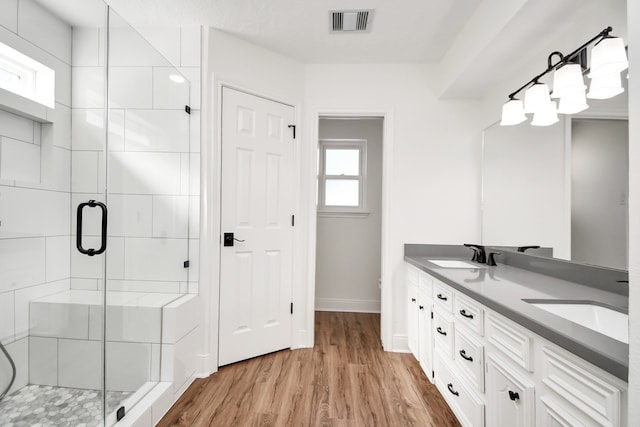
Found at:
<point>510,395</point>
<point>412,319</point>
<point>425,341</point>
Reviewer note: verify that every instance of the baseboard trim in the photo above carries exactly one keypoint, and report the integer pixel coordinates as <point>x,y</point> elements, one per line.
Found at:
<point>400,344</point>
<point>348,305</point>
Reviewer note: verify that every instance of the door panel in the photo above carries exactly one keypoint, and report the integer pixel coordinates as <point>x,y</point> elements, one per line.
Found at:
<point>257,204</point>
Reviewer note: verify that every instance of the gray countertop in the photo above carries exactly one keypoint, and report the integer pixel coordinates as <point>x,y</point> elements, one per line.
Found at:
<point>503,288</point>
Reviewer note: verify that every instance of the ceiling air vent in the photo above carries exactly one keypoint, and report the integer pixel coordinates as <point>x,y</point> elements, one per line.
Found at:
<point>341,21</point>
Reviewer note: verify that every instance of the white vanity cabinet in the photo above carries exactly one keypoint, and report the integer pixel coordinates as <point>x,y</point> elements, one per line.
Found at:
<point>494,372</point>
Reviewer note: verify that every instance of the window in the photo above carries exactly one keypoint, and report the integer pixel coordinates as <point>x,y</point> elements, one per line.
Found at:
<point>26,77</point>
<point>342,176</point>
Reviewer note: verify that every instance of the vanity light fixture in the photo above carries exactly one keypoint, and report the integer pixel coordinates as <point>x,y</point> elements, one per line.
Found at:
<point>608,60</point>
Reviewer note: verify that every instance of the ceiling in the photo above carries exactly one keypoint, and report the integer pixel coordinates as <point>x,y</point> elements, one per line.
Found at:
<point>462,42</point>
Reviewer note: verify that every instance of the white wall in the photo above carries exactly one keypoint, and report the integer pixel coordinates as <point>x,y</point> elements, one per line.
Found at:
<point>234,62</point>
<point>634,212</point>
<point>434,173</point>
<point>34,184</point>
<point>348,248</point>
<point>599,188</point>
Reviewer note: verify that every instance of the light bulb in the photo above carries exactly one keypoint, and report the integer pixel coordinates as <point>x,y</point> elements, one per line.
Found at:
<point>567,78</point>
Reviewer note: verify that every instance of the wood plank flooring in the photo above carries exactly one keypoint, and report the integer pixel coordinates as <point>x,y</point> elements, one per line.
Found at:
<point>345,380</point>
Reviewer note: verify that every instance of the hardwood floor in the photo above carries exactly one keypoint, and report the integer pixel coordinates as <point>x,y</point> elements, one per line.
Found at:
<point>345,380</point>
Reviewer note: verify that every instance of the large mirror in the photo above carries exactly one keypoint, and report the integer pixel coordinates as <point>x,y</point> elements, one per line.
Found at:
<point>563,186</point>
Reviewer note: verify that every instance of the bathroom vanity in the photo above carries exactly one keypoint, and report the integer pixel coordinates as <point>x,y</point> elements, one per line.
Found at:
<point>532,341</point>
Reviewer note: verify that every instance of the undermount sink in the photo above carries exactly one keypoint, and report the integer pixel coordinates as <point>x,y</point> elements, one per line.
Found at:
<point>452,263</point>
<point>590,315</point>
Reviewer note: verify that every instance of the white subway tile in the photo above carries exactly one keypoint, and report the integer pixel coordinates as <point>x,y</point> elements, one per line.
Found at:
<point>88,131</point>
<point>184,358</point>
<point>9,14</point>
<point>130,215</point>
<point>193,75</point>
<point>152,286</point>
<point>80,364</point>
<point>43,361</point>
<point>162,404</point>
<point>22,214</point>
<point>157,130</point>
<point>194,174</point>
<point>63,84</point>
<point>129,48</point>
<point>144,173</point>
<point>155,362</point>
<point>194,287</point>
<point>23,298</point>
<point>91,217</point>
<point>194,217</point>
<point>155,259</point>
<point>44,29</point>
<point>134,324</point>
<point>185,173</point>
<point>56,168</point>
<point>116,257</point>
<point>190,47</point>
<point>179,318</point>
<point>170,216</point>
<point>7,317</point>
<point>87,267</point>
<point>58,261</point>
<point>194,257</point>
<point>86,48</point>
<point>84,172</point>
<point>194,139</point>
<point>37,133</point>
<point>127,365</point>
<point>130,87</point>
<point>58,320</point>
<point>58,133</point>
<point>19,160</point>
<point>170,89</point>
<point>19,352</point>
<point>16,127</point>
<point>84,284</point>
<point>96,319</point>
<point>23,263</point>
<point>88,87</point>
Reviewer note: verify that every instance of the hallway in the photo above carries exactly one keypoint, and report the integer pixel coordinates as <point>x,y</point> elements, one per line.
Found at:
<point>345,380</point>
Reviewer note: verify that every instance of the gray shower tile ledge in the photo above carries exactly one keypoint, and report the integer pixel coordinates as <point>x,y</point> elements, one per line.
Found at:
<point>503,288</point>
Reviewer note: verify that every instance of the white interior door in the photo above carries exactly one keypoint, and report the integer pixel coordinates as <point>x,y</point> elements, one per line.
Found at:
<point>257,207</point>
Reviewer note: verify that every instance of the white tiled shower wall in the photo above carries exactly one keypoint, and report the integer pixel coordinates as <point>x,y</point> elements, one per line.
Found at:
<point>51,168</point>
<point>35,183</point>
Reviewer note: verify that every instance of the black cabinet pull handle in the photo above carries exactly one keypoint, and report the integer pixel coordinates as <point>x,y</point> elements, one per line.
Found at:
<point>421,307</point>
<point>440,331</point>
<point>442,297</point>
<point>513,395</point>
<point>103,238</point>
<point>464,313</point>
<point>463,354</point>
<point>451,390</point>
<point>413,300</point>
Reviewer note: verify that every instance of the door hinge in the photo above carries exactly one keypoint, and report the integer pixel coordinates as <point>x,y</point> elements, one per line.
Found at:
<point>186,264</point>
<point>187,109</point>
<point>432,314</point>
<point>294,130</point>
<point>291,307</point>
<point>293,220</point>
<point>120,413</point>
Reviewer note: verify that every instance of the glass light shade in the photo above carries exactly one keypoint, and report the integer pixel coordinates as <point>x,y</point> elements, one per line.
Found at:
<point>573,102</point>
<point>536,97</point>
<point>513,113</point>
<point>546,115</point>
<point>605,87</point>
<point>567,78</point>
<point>607,57</point>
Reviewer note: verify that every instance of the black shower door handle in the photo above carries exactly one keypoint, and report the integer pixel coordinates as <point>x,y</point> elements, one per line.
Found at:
<point>103,238</point>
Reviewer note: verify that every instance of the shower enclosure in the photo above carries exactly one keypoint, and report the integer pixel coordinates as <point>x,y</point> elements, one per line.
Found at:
<point>95,203</point>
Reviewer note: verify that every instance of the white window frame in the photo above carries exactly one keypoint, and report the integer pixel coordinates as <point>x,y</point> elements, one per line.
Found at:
<point>37,81</point>
<point>346,144</point>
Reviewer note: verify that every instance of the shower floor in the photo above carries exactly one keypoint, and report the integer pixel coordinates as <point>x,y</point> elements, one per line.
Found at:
<point>43,406</point>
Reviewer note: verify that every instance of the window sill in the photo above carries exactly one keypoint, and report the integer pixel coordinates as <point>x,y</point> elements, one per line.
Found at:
<point>24,107</point>
<point>334,214</point>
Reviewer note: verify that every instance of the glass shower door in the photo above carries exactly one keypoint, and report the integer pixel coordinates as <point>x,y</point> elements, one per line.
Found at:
<point>147,185</point>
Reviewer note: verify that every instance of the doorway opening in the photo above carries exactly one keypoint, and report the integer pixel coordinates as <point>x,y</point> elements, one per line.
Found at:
<point>349,214</point>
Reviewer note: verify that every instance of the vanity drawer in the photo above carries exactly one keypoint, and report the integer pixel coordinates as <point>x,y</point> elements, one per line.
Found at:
<point>464,402</point>
<point>469,358</point>
<point>425,283</point>
<point>469,313</point>
<point>411,273</point>
<point>442,296</point>
<point>596,395</point>
<point>443,330</point>
<point>511,339</point>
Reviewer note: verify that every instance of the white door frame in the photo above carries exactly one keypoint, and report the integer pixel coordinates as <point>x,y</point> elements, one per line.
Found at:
<point>386,304</point>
